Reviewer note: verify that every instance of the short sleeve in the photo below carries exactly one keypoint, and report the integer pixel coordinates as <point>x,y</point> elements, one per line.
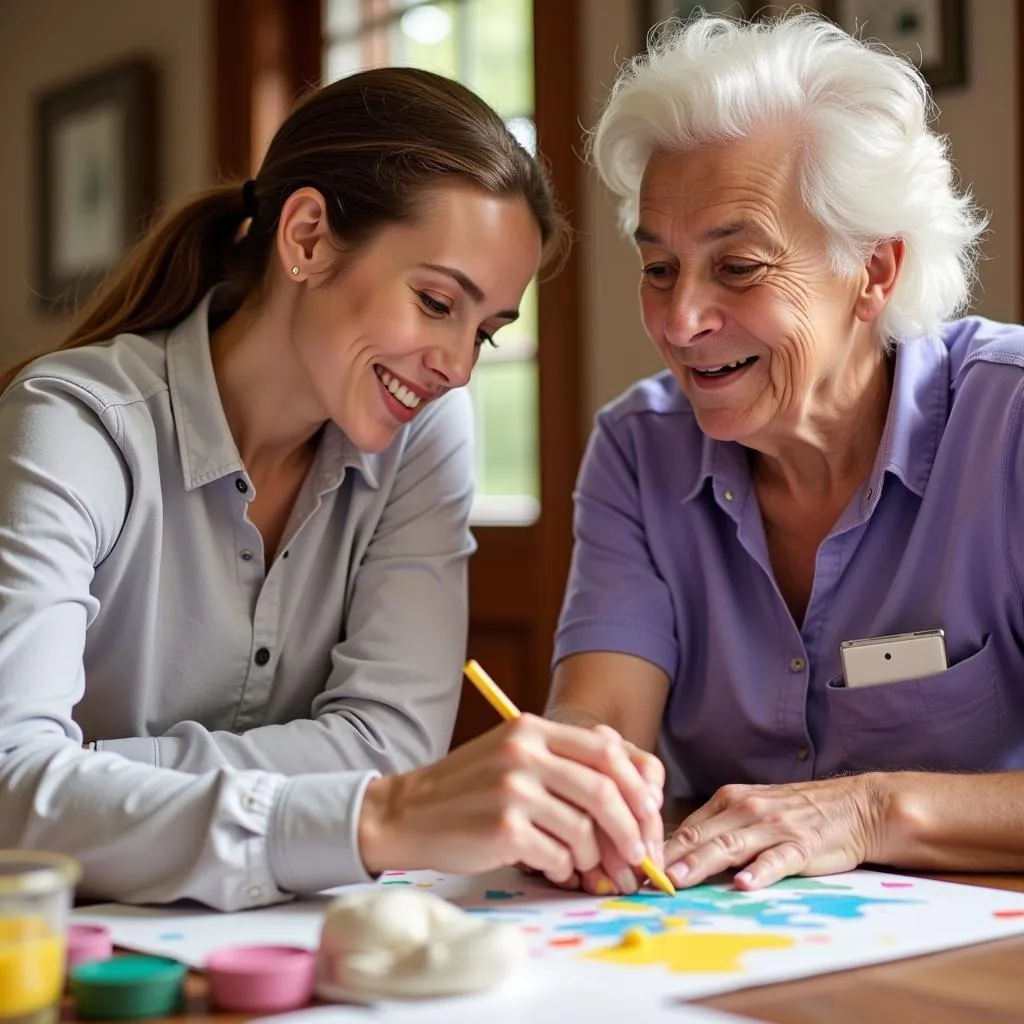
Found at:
<point>615,599</point>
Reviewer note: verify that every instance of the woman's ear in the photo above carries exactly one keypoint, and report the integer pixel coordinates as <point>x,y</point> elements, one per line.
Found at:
<point>303,235</point>
<point>878,278</point>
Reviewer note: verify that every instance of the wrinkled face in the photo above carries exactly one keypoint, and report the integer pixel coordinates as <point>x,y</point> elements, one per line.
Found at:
<point>405,321</point>
<point>737,292</point>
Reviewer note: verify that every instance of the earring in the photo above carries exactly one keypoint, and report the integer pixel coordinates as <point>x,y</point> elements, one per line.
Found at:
<point>295,271</point>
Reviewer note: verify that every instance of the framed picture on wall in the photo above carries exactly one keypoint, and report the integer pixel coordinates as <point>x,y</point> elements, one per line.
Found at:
<point>930,33</point>
<point>96,181</point>
<point>654,12</point>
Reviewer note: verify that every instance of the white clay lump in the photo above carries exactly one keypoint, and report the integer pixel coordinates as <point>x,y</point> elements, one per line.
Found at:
<point>406,944</point>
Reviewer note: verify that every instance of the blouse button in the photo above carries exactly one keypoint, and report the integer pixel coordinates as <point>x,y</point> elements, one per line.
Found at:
<point>241,486</point>
<point>262,656</point>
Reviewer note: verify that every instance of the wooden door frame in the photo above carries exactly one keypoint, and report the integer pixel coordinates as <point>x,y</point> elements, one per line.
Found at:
<point>269,51</point>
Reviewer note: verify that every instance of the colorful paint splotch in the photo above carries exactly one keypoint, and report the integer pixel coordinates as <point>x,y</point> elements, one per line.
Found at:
<point>810,907</point>
<point>690,952</point>
<point>501,894</point>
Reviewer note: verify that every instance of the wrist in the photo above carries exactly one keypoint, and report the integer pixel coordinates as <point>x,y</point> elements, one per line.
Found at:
<point>902,821</point>
<point>378,829</point>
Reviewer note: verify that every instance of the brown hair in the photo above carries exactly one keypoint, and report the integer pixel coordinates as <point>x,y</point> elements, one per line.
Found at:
<point>372,144</point>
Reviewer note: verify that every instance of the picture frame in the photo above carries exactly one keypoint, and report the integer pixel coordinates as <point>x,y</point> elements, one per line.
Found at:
<point>96,176</point>
<point>930,33</point>
<point>653,12</point>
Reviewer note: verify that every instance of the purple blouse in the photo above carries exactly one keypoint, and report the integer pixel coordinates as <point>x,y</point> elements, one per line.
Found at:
<point>671,565</point>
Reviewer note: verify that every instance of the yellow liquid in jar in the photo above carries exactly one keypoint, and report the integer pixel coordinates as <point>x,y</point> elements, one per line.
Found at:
<point>31,966</point>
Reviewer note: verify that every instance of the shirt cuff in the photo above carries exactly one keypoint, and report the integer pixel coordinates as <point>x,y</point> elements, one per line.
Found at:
<point>313,840</point>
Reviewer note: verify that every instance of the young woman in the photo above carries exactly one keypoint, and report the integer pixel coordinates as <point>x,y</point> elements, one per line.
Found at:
<point>234,532</point>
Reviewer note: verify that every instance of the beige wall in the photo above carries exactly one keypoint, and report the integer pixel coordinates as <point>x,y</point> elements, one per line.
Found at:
<point>980,119</point>
<point>45,42</point>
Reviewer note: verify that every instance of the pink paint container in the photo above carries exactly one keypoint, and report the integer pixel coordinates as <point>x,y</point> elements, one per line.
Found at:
<point>260,979</point>
<point>87,942</point>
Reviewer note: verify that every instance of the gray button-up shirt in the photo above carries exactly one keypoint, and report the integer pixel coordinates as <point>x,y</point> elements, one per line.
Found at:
<point>239,710</point>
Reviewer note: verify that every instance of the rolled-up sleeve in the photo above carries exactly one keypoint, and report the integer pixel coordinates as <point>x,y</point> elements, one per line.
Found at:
<point>390,698</point>
<point>615,599</point>
<point>140,833</point>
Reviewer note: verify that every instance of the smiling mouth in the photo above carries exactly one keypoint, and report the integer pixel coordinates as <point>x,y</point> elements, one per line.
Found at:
<point>724,369</point>
<point>396,388</point>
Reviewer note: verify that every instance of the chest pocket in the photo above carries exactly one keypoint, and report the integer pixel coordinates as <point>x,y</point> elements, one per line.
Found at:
<point>947,721</point>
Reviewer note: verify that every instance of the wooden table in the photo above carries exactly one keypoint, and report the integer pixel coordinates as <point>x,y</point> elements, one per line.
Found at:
<point>977,984</point>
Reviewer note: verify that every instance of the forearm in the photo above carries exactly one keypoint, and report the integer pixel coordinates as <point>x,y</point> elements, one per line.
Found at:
<point>231,840</point>
<point>360,737</point>
<point>947,822</point>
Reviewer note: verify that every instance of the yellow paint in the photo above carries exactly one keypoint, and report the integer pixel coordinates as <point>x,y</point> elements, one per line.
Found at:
<point>630,908</point>
<point>690,952</point>
<point>634,938</point>
<point>31,966</point>
<point>674,922</point>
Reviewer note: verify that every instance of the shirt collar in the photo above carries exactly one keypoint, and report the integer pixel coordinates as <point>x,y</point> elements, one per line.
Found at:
<point>205,444</point>
<point>918,409</point>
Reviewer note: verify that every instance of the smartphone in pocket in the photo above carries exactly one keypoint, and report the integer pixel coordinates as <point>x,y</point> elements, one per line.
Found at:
<point>891,659</point>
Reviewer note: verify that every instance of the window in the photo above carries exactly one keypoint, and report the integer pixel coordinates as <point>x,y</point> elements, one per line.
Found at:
<point>488,45</point>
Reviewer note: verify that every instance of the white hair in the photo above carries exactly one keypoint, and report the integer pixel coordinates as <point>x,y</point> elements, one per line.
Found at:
<point>871,167</point>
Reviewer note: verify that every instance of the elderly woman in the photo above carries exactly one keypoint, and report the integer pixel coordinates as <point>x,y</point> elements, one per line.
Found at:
<point>828,458</point>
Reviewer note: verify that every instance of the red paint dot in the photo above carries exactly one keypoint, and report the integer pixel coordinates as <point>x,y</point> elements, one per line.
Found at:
<point>1008,913</point>
<point>574,941</point>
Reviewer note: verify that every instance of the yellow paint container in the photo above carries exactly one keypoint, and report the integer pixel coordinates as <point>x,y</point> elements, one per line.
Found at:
<point>35,898</point>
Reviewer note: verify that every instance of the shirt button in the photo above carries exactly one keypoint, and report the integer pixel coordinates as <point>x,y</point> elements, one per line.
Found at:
<point>262,656</point>
<point>249,803</point>
<point>285,555</point>
<point>802,753</point>
<point>241,486</point>
<point>255,892</point>
<point>796,664</point>
<point>246,556</point>
<point>728,495</point>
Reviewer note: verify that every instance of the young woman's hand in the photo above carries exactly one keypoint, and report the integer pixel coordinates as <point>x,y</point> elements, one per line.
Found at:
<point>531,791</point>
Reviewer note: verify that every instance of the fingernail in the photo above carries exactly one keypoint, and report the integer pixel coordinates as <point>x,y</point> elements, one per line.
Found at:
<point>678,873</point>
<point>639,852</point>
<point>627,881</point>
<point>650,804</point>
<point>659,795</point>
<point>744,877</point>
<point>604,887</point>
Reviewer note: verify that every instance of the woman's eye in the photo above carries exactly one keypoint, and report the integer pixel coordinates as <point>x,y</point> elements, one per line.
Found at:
<point>740,269</point>
<point>658,274</point>
<point>483,338</point>
<point>433,306</point>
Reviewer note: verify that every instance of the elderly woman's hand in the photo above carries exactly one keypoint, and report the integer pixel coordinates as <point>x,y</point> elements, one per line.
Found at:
<point>801,828</point>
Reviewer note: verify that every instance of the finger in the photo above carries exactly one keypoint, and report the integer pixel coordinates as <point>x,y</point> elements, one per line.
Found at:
<point>600,798</point>
<point>613,875</point>
<point>603,750</point>
<point>568,825</point>
<point>572,882</point>
<point>650,768</point>
<point>731,808</point>
<point>538,851</point>
<point>771,866</point>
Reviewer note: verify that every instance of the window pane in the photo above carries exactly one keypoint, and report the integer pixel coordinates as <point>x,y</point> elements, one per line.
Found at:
<point>488,45</point>
<point>505,400</point>
<point>499,58</point>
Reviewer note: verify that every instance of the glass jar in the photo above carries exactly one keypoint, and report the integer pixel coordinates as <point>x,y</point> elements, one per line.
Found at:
<point>35,899</point>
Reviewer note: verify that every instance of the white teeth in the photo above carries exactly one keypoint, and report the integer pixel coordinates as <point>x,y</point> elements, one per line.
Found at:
<point>726,366</point>
<point>399,390</point>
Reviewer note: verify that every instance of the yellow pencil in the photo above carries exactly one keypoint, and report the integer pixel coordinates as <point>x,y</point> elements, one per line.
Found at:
<point>499,701</point>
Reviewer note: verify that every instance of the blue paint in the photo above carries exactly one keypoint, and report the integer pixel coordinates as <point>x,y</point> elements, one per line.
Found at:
<point>794,909</point>
<point>170,936</point>
<point>616,927</point>
<point>500,894</point>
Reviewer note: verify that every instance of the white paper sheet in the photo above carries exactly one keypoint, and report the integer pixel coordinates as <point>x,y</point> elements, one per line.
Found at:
<point>703,941</point>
